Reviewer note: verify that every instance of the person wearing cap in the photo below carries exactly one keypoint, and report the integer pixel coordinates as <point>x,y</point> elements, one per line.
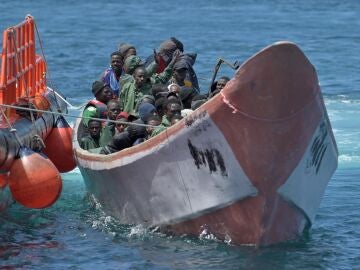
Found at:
<point>97,107</point>
<point>122,117</point>
<point>111,75</point>
<point>164,56</point>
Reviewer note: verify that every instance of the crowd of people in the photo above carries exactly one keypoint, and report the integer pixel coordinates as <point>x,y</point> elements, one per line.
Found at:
<point>152,94</point>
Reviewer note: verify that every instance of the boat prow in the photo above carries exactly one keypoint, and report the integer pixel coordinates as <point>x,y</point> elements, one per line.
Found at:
<point>250,165</point>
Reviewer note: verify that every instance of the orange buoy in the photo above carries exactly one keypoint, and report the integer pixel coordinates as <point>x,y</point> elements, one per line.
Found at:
<point>3,180</point>
<point>59,146</point>
<point>34,181</point>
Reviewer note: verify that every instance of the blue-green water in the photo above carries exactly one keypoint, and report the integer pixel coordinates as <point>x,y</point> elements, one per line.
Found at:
<point>78,37</point>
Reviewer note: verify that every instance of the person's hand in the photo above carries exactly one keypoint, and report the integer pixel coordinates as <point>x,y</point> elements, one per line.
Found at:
<point>175,57</point>
<point>156,56</point>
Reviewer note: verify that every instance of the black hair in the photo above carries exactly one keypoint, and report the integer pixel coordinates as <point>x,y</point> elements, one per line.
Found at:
<point>94,120</point>
<point>159,103</point>
<point>158,88</point>
<point>178,43</point>
<point>170,101</point>
<point>116,53</point>
<point>152,117</point>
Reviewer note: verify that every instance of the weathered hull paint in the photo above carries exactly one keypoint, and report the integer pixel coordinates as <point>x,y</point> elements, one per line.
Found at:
<point>240,167</point>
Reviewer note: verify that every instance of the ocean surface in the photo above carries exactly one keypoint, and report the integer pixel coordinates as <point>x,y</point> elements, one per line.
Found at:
<point>78,37</point>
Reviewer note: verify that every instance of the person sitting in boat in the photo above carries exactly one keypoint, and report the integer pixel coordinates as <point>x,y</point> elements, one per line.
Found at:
<point>153,121</point>
<point>123,140</point>
<point>186,95</point>
<point>145,99</point>
<point>145,110</point>
<point>97,107</point>
<point>92,140</point>
<point>134,90</point>
<point>171,108</point>
<point>159,105</point>
<point>218,86</point>
<point>183,70</point>
<point>164,56</point>
<point>111,75</point>
<point>126,49</point>
<point>123,118</point>
<point>133,62</point>
<point>113,109</point>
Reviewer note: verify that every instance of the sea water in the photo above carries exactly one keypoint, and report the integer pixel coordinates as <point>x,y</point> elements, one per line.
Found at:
<point>78,37</point>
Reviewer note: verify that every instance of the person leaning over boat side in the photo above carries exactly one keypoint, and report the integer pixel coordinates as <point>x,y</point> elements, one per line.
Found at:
<point>113,109</point>
<point>96,108</point>
<point>92,140</point>
<point>111,75</point>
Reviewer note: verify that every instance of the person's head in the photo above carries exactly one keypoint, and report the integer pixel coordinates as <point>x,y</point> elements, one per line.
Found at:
<point>94,128</point>
<point>147,99</point>
<point>179,75</point>
<point>102,91</point>
<point>222,81</point>
<point>159,105</point>
<point>131,63</point>
<point>123,117</point>
<point>173,96</point>
<point>153,120</point>
<point>176,118</point>
<point>175,88</point>
<point>126,50</point>
<point>159,90</point>
<point>140,76</point>
<point>171,108</point>
<point>113,109</point>
<point>168,47</point>
<point>116,62</point>
<point>145,109</point>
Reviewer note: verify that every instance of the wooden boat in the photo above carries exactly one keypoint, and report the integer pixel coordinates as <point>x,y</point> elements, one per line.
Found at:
<point>250,166</point>
<point>30,119</point>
